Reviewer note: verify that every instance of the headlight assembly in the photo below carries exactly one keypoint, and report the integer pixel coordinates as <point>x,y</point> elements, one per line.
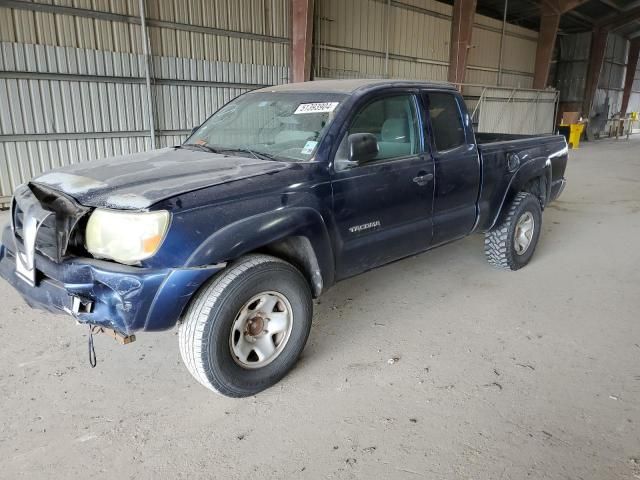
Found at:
<point>126,237</point>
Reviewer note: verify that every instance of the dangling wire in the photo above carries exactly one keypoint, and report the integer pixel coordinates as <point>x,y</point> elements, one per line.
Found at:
<point>93,360</point>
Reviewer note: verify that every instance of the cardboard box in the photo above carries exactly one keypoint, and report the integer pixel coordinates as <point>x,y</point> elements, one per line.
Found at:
<point>569,118</point>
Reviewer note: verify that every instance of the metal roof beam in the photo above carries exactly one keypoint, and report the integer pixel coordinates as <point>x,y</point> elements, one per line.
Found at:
<point>618,20</point>
<point>581,16</point>
<point>611,4</point>
<point>562,6</point>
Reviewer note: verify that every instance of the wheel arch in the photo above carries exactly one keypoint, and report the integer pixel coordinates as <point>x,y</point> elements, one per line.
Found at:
<point>534,177</point>
<point>298,251</point>
<point>297,235</point>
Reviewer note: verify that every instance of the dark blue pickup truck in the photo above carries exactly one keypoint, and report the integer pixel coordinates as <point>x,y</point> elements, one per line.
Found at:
<point>276,197</point>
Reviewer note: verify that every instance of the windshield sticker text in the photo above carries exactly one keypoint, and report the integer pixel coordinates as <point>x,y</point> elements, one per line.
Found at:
<point>316,107</point>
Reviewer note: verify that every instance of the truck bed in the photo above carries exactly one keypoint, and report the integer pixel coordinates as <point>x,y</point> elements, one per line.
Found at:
<point>494,149</point>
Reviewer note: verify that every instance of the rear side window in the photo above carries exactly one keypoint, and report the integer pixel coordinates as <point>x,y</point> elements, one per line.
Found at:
<point>446,123</point>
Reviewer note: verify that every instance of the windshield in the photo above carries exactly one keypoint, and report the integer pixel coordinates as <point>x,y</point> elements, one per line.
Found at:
<point>277,125</point>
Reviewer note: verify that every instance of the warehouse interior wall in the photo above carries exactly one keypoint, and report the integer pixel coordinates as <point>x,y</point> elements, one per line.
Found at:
<point>410,39</point>
<point>571,74</point>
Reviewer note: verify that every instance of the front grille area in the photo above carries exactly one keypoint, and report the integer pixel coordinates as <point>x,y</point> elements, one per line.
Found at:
<point>56,215</point>
<point>17,215</point>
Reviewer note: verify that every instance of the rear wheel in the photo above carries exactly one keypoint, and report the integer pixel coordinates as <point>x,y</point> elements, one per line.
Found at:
<point>510,245</point>
<point>245,330</point>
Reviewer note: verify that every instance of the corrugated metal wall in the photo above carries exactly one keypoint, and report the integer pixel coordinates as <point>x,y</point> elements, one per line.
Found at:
<point>611,82</point>
<point>634,100</point>
<point>410,39</point>
<point>573,64</point>
<point>504,110</point>
<point>72,81</point>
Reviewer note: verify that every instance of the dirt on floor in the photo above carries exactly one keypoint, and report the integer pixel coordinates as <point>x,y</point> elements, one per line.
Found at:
<point>437,366</point>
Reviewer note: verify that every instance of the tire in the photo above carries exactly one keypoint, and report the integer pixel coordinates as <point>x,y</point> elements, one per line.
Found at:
<point>207,344</point>
<point>501,247</point>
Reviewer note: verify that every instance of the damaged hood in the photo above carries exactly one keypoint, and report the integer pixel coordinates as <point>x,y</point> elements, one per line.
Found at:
<point>138,181</point>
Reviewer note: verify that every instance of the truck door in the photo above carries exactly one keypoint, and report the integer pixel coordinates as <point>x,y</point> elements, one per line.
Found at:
<point>450,136</point>
<point>382,208</point>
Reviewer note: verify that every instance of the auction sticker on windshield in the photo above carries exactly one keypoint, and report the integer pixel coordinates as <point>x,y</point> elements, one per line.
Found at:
<point>308,147</point>
<point>321,107</point>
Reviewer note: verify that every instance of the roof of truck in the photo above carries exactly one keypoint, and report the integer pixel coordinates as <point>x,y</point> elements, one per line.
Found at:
<point>351,85</point>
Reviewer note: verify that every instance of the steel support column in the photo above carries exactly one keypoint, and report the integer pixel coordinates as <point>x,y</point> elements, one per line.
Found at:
<point>549,21</point>
<point>632,65</point>
<point>146,48</point>
<point>302,33</point>
<point>461,28</point>
<point>596,58</point>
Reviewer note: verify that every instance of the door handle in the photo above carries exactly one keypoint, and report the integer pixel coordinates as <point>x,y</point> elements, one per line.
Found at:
<point>422,180</point>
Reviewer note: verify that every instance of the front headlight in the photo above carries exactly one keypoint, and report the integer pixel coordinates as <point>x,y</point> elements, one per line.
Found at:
<point>126,237</point>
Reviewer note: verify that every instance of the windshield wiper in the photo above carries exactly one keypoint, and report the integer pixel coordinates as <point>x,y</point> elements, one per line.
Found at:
<point>256,155</point>
<point>201,146</point>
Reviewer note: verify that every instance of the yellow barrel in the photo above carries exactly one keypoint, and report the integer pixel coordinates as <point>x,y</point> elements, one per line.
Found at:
<point>575,131</point>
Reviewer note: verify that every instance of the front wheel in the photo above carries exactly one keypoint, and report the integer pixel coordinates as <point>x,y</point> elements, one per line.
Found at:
<point>246,329</point>
<point>510,245</point>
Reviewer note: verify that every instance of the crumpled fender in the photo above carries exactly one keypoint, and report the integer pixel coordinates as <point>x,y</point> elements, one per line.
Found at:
<point>251,233</point>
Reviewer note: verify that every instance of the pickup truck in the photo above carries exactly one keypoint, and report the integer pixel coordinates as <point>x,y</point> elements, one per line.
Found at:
<point>277,196</point>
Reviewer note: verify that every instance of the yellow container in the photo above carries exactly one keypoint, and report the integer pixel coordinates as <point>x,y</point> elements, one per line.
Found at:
<point>634,116</point>
<point>575,131</point>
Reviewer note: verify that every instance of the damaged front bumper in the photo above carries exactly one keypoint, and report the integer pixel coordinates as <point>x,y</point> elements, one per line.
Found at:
<point>120,297</point>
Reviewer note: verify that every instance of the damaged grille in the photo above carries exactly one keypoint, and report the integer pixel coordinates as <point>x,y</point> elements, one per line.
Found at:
<point>52,214</point>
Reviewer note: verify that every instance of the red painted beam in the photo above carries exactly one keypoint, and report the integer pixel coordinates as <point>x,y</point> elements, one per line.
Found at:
<point>632,65</point>
<point>461,28</point>
<point>550,12</point>
<point>549,21</point>
<point>596,57</point>
<point>302,33</point>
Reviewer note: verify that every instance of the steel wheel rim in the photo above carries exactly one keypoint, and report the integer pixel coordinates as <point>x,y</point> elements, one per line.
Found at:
<point>261,330</point>
<point>523,235</point>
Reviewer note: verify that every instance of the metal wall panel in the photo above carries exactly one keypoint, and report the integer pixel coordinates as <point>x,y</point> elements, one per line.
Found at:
<point>572,66</point>
<point>179,28</point>
<point>380,39</point>
<point>634,102</point>
<point>608,98</point>
<point>503,110</point>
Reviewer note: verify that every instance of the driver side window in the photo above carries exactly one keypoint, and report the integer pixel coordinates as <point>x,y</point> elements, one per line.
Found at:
<point>393,121</point>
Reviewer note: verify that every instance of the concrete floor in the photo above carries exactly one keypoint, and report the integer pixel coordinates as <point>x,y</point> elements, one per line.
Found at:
<point>499,375</point>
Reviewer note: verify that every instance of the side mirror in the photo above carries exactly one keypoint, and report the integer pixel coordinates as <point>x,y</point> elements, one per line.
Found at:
<point>194,130</point>
<point>363,147</point>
